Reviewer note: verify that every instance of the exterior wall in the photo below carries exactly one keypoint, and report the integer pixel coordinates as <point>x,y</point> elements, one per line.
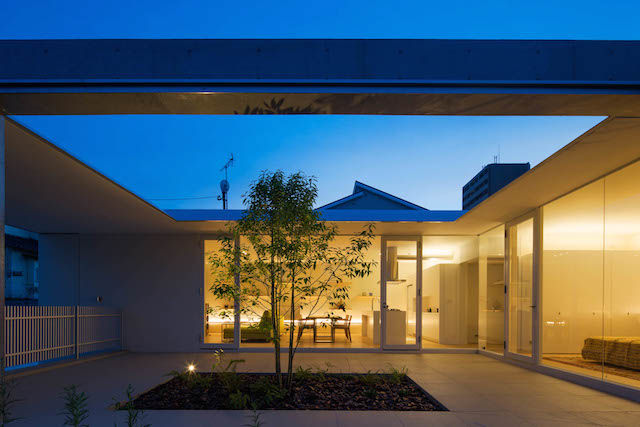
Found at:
<point>155,280</point>
<point>58,269</point>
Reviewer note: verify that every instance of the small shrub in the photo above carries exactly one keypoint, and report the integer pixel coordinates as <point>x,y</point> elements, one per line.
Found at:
<point>254,419</point>
<point>183,375</point>
<point>135,416</point>
<point>397,376</point>
<point>239,400</point>
<point>203,382</point>
<point>192,379</point>
<point>218,362</point>
<point>267,393</point>
<point>75,406</point>
<point>226,373</point>
<point>7,401</point>
<point>302,374</point>
<point>231,381</point>
<point>322,372</point>
<point>370,379</point>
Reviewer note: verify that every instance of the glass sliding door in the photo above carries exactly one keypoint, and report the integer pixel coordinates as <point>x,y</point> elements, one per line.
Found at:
<point>520,288</point>
<point>401,290</point>
<point>491,290</point>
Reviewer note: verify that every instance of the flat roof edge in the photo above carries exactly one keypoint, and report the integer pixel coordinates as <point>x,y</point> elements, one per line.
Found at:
<point>196,215</point>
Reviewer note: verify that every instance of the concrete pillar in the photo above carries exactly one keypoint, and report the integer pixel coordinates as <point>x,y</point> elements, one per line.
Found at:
<point>3,133</point>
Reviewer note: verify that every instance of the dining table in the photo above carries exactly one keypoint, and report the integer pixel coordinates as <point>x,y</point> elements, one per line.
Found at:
<point>319,322</point>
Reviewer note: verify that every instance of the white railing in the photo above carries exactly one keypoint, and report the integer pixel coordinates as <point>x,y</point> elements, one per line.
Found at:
<point>37,334</point>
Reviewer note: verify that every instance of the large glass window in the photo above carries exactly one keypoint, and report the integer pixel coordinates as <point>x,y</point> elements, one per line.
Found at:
<point>450,291</point>
<point>218,313</point>
<point>321,321</point>
<point>491,290</point>
<point>621,350</point>
<point>572,278</point>
<point>591,279</point>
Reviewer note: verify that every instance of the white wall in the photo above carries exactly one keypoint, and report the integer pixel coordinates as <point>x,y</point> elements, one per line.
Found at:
<point>156,281</point>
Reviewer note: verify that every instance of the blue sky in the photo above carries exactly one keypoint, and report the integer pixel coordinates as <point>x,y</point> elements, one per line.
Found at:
<point>564,19</point>
<point>423,159</point>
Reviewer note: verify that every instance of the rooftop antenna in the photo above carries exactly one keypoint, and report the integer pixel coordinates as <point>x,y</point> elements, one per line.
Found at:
<point>224,184</point>
<point>496,158</point>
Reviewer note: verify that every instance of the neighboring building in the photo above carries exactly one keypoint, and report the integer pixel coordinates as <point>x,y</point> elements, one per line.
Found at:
<point>489,180</point>
<point>21,267</point>
<point>365,197</point>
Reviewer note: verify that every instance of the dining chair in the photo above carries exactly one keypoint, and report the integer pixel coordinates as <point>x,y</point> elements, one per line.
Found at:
<point>304,324</point>
<point>344,324</point>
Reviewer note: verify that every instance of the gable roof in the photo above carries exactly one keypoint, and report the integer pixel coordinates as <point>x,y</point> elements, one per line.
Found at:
<point>369,198</point>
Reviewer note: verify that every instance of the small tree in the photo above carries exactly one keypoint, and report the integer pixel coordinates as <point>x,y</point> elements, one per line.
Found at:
<point>76,410</point>
<point>283,249</point>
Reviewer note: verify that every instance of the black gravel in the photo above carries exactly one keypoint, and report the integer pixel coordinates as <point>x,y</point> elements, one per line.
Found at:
<point>344,392</point>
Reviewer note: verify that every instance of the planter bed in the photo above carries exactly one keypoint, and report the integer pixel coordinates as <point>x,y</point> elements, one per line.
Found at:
<point>373,392</point>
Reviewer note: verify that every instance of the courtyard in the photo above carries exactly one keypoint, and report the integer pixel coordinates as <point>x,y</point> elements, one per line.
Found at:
<point>477,390</point>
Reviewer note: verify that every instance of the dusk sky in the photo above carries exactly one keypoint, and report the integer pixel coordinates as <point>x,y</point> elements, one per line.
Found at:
<point>423,159</point>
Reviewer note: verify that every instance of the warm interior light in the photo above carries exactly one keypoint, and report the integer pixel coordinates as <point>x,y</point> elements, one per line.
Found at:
<point>431,252</point>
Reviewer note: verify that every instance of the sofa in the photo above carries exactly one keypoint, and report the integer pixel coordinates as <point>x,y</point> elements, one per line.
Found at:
<point>260,332</point>
<point>617,351</point>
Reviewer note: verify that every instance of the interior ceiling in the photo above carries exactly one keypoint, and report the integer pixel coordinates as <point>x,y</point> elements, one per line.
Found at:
<point>48,191</point>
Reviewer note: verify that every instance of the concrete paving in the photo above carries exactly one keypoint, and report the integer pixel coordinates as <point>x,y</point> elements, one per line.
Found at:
<point>478,390</point>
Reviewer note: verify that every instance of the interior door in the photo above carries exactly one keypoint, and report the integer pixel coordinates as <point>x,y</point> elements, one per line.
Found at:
<point>401,284</point>
<point>521,288</point>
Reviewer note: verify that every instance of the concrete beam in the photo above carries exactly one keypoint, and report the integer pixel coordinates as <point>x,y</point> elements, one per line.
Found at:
<point>424,77</point>
<point>441,62</point>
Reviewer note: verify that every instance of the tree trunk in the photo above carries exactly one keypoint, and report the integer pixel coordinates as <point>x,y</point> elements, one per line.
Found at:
<point>292,327</point>
<point>275,319</point>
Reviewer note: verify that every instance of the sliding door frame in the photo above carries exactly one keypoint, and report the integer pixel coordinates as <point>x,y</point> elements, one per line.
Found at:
<point>535,215</point>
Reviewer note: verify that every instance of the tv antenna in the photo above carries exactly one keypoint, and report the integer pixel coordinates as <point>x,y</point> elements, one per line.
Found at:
<point>224,184</point>
<point>496,157</point>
